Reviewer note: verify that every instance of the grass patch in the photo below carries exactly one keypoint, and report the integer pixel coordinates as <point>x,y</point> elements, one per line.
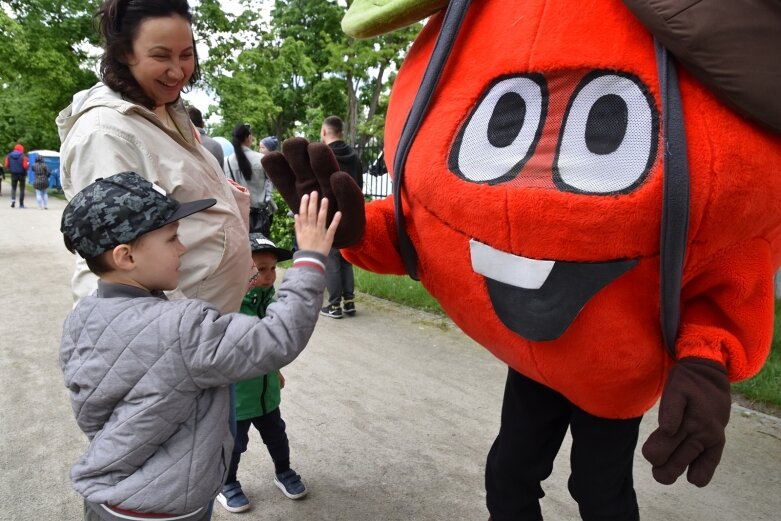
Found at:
<point>396,288</point>
<point>766,386</point>
<point>763,389</point>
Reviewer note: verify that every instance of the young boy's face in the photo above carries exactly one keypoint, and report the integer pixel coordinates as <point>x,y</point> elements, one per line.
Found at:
<point>157,257</point>
<point>266,263</point>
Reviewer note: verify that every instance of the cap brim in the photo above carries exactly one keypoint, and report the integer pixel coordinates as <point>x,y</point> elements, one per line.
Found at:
<point>282,254</point>
<point>190,208</point>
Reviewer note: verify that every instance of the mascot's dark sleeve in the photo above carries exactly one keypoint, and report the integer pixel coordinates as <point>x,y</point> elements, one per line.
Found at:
<point>533,193</point>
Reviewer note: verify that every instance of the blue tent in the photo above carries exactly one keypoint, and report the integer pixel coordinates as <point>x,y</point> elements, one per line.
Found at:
<point>52,160</point>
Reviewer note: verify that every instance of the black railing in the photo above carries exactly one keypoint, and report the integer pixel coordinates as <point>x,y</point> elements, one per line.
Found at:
<point>376,182</point>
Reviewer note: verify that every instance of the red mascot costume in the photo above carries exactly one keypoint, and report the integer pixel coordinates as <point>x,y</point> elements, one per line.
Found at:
<point>536,179</point>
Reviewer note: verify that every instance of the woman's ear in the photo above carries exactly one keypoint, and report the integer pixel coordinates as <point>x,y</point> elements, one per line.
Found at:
<point>122,257</point>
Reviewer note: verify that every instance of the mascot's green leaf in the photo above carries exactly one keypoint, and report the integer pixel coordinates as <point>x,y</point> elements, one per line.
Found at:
<point>367,18</point>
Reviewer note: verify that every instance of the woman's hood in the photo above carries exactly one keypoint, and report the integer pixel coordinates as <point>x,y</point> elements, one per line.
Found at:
<point>98,95</point>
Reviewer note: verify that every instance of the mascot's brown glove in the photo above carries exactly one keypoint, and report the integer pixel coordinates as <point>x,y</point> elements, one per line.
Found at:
<point>693,413</point>
<point>303,167</point>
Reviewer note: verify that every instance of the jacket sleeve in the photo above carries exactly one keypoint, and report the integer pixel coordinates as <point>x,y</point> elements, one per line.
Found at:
<point>219,350</point>
<point>728,308</point>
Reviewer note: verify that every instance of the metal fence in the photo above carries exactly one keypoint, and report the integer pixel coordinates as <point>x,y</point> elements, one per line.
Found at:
<point>376,182</point>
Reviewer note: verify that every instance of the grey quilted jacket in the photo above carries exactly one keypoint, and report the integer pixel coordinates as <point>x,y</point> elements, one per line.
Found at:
<point>147,380</point>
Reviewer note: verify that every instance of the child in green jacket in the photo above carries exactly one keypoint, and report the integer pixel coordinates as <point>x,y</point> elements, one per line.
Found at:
<point>257,400</point>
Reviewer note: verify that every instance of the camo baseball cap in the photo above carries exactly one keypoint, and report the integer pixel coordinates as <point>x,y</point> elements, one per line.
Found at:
<point>118,209</point>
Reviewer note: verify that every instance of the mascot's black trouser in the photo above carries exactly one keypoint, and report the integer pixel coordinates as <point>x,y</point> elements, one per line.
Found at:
<point>534,421</point>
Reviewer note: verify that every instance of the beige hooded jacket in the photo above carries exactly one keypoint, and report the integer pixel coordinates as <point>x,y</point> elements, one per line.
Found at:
<point>103,134</point>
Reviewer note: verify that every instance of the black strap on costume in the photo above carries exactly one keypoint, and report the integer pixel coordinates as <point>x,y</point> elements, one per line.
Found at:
<point>675,203</point>
<point>454,16</point>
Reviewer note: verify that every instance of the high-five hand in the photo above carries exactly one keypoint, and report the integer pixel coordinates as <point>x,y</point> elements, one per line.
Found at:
<point>303,167</point>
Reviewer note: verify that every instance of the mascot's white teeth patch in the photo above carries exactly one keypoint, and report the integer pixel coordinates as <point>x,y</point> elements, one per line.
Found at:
<point>521,272</point>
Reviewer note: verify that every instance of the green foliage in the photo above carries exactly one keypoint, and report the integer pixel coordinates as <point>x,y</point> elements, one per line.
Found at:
<point>284,73</point>
<point>282,227</point>
<point>43,62</point>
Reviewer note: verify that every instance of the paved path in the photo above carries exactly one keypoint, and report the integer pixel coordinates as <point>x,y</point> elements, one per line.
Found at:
<point>390,415</point>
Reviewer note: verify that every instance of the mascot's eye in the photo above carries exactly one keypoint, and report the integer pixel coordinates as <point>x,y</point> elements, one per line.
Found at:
<point>609,137</point>
<point>500,134</point>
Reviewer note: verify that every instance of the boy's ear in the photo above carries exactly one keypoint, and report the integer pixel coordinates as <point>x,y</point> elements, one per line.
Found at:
<point>122,257</point>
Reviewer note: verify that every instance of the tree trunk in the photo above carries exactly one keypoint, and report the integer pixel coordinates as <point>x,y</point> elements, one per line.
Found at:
<point>352,110</point>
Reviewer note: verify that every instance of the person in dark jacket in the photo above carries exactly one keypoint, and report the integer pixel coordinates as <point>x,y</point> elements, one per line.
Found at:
<point>339,278</point>
<point>17,163</point>
<point>207,141</point>
<point>41,182</point>
<point>258,399</point>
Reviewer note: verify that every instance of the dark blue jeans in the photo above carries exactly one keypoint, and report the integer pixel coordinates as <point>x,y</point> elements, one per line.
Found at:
<point>18,179</point>
<point>535,419</point>
<point>271,427</point>
<point>339,278</point>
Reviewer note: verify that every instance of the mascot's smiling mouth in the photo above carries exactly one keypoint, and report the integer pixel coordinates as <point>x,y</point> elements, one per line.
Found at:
<point>539,299</point>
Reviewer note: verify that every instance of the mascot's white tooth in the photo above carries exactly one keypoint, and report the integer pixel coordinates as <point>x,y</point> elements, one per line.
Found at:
<point>510,269</point>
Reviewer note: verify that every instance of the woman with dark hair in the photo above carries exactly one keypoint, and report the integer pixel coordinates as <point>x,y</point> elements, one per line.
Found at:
<point>135,120</point>
<point>244,167</point>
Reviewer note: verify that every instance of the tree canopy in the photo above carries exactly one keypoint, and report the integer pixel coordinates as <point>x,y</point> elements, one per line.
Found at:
<point>44,60</point>
<point>280,65</point>
<point>284,70</point>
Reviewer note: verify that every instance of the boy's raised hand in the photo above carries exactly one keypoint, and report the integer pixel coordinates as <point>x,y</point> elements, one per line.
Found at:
<point>311,232</point>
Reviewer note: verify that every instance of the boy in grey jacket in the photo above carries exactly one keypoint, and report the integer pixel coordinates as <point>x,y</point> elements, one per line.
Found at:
<point>147,376</point>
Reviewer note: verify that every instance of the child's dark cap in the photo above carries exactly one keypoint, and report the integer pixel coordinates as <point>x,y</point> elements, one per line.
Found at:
<point>259,242</point>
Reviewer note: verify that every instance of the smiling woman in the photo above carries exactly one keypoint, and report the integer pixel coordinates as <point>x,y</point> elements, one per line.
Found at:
<point>136,120</point>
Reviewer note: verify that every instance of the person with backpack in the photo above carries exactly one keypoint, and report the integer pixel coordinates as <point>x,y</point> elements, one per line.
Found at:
<point>41,182</point>
<point>16,163</point>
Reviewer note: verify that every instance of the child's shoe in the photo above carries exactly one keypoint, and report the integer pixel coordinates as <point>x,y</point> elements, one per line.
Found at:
<point>232,498</point>
<point>289,482</point>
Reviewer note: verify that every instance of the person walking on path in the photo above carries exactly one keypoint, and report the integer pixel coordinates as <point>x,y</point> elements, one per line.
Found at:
<point>258,399</point>
<point>17,163</point>
<point>206,140</point>
<point>243,167</point>
<point>340,279</point>
<point>154,453</point>
<point>135,120</point>
<point>41,183</point>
